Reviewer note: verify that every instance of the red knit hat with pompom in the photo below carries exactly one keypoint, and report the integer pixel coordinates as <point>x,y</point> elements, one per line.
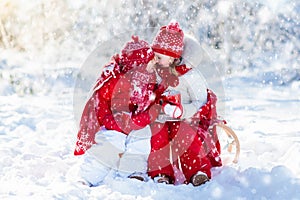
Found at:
<point>136,52</point>
<point>169,40</point>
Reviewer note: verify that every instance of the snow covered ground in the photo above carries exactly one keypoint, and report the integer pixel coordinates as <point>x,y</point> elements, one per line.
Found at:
<point>38,132</point>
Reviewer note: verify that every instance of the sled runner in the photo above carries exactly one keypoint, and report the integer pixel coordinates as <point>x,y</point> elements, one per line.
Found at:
<point>235,142</point>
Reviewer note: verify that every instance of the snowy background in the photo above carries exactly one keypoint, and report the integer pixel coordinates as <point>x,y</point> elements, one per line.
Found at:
<point>44,46</point>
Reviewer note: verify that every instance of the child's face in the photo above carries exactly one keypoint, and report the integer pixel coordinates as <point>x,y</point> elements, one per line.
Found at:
<point>163,60</point>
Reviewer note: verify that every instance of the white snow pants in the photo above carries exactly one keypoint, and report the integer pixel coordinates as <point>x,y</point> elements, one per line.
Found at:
<point>116,151</point>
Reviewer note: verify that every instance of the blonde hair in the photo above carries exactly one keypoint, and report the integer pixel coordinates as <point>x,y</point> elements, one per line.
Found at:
<point>173,65</point>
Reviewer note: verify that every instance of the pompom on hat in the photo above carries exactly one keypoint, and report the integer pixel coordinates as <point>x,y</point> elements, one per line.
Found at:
<point>169,40</point>
<point>136,52</point>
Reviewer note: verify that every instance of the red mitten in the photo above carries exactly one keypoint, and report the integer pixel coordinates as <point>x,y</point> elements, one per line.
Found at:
<point>173,110</point>
<point>140,120</point>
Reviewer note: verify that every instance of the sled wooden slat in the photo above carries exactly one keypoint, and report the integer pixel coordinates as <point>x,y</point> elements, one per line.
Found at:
<point>236,141</point>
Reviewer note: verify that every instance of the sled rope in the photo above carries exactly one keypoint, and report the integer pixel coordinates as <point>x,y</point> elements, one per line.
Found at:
<point>235,142</point>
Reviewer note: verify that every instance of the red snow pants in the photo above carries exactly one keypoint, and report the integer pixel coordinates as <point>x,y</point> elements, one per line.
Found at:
<point>177,144</point>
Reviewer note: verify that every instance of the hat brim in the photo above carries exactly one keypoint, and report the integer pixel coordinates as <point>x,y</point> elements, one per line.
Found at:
<point>166,52</point>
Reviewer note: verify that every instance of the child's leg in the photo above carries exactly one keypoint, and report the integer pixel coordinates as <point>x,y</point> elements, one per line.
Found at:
<point>193,162</point>
<point>188,147</point>
<point>103,156</point>
<point>92,171</point>
<point>159,158</point>
<point>134,159</point>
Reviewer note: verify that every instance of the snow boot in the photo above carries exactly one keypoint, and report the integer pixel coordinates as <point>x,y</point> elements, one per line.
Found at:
<point>162,179</point>
<point>199,179</point>
<point>139,176</point>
